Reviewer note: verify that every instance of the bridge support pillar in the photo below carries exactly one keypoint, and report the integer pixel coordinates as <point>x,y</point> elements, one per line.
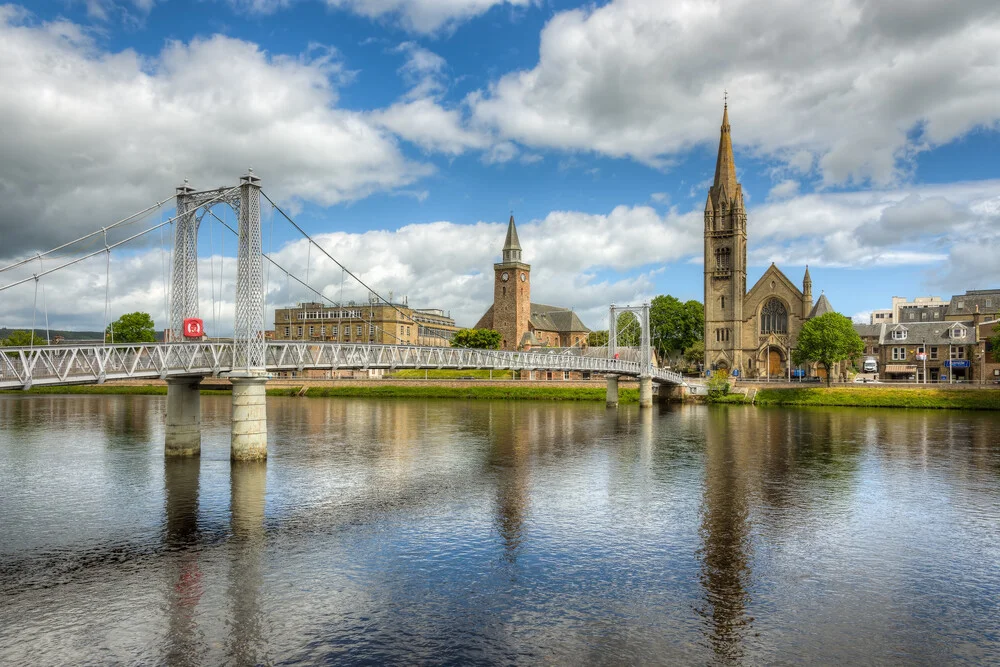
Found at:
<point>612,391</point>
<point>183,432</point>
<point>645,392</point>
<point>249,420</point>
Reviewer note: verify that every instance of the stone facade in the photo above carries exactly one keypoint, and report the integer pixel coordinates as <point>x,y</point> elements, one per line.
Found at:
<point>522,324</point>
<point>750,331</point>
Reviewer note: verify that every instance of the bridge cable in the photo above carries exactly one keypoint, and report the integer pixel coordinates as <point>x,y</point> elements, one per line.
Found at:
<point>34,308</point>
<point>107,292</point>
<point>163,283</point>
<point>333,259</point>
<point>83,238</point>
<point>45,306</point>
<point>211,269</point>
<point>107,248</point>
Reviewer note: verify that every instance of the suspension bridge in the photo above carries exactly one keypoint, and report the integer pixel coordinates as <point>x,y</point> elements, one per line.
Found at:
<point>248,359</point>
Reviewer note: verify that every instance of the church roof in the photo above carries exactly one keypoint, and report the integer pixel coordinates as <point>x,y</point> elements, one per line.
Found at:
<point>511,243</point>
<point>822,307</point>
<point>554,318</point>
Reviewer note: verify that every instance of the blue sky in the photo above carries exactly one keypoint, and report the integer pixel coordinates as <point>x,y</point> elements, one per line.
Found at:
<point>403,132</point>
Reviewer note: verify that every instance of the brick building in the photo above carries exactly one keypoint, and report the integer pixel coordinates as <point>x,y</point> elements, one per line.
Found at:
<point>522,324</point>
<point>378,323</point>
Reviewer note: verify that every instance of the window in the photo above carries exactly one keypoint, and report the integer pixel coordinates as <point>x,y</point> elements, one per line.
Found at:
<point>899,354</point>
<point>961,305</point>
<point>312,330</point>
<point>565,375</point>
<point>722,302</point>
<point>722,256</point>
<point>358,332</point>
<point>371,329</point>
<point>934,353</point>
<point>911,315</point>
<point>899,334</point>
<point>300,332</point>
<point>920,349</point>
<point>407,331</point>
<point>287,332</point>
<point>989,303</point>
<point>333,330</point>
<point>958,352</point>
<point>722,335</point>
<point>774,317</point>
<point>957,332</point>
<point>937,314</point>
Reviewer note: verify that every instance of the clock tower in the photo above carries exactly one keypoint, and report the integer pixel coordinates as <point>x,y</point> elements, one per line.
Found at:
<point>511,293</point>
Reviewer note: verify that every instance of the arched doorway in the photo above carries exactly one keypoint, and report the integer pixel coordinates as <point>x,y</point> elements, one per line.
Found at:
<point>773,362</point>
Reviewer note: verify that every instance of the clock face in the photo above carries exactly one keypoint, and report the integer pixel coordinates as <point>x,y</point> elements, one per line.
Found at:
<point>504,276</point>
<point>524,277</point>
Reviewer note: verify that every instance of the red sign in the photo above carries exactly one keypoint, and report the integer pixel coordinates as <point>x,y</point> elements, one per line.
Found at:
<point>194,328</point>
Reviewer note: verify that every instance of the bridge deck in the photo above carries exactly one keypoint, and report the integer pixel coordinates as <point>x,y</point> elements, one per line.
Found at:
<point>86,364</point>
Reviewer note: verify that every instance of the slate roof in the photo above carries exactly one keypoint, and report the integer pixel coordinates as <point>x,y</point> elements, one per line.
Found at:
<point>965,304</point>
<point>822,307</point>
<point>554,318</point>
<point>869,330</point>
<point>932,333</point>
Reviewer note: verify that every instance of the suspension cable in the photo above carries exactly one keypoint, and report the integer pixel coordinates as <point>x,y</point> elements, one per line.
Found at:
<point>107,292</point>
<point>92,234</point>
<point>45,306</point>
<point>109,247</point>
<point>211,270</point>
<point>34,308</point>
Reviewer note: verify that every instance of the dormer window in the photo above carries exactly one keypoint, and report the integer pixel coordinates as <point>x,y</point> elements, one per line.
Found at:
<point>957,332</point>
<point>899,334</point>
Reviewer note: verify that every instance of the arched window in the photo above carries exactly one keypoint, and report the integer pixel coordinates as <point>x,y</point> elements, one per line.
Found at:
<point>722,258</point>
<point>774,317</point>
<point>722,302</point>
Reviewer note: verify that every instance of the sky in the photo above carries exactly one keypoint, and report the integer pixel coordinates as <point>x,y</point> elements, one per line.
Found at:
<point>402,134</point>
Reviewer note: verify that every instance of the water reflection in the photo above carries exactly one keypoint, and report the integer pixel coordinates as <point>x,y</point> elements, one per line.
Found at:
<point>185,585</point>
<point>509,453</point>
<point>725,534</point>
<point>246,643</point>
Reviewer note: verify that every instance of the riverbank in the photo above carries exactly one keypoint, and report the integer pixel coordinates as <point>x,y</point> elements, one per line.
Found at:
<point>519,391</point>
<point>869,397</point>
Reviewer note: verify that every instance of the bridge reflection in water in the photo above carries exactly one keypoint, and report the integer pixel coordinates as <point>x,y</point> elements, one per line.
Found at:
<point>429,531</point>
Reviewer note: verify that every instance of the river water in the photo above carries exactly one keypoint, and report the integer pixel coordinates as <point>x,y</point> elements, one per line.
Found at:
<point>409,531</point>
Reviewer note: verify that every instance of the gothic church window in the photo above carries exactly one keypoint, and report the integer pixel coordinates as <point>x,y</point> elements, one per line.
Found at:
<point>774,317</point>
<point>722,302</point>
<point>722,258</point>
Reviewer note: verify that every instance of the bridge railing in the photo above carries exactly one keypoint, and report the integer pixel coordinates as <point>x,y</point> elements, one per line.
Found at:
<point>81,364</point>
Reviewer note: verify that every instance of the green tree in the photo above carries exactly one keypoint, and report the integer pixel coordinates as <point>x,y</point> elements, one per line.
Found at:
<point>134,327</point>
<point>993,345</point>
<point>22,338</point>
<point>675,325</point>
<point>826,340</point>
<point>718,384</point>
<point>597,338</point>
<point>695,354</point>
<point>483,339</point>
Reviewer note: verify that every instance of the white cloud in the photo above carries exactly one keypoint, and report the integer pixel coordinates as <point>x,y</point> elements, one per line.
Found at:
<point>99,133</point>
<point>785,189</point>
<point>430,126</point>
<point>660,197</point>
<point>834,86</point>
<point>423,16</point>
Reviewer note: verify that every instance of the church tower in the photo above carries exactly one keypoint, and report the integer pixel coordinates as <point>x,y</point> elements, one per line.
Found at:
<point>511,292</point>
<point>725,260</point>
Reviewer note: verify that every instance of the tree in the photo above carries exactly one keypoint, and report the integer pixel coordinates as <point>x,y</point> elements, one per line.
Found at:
<point>826,340</point>
<point>597,338</point>
<point>993,345</point>
<point>675,325</point>
<point>483,339</point>
<point>695,354</point>
<point>22,338</point>
<point>134,327</point>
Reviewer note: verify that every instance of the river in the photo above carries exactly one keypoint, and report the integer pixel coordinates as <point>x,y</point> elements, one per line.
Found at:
<point>479,532</point>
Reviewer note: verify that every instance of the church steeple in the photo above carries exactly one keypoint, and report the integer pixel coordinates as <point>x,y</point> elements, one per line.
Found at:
<point>725,165</point>
<point>807,292</point>
<point>511,246</point>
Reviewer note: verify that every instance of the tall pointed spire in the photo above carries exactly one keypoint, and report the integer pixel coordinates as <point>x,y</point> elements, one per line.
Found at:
<point>725,165</point>
<point>807,281</point>
<point>511,246</point>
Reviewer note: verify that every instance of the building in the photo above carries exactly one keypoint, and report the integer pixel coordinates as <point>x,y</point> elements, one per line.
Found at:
<point>376,322</point>
<point>943,351</point>
<point>988,355</point>
<point>750,332</point>
<point>986,302</point>
<point>521,323</point>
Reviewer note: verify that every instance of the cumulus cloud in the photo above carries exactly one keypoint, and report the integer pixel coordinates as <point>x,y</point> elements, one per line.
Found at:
<point>852,89</point>
<point>99,133</point>
<point>785,189</point>
<point>423,16</point>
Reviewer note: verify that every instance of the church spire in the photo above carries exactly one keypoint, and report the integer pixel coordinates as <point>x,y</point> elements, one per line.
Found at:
<point>725,165</point>
<point>511,246</point>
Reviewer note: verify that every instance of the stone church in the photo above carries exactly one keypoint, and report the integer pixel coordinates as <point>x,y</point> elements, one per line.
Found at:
<point>752,332</point>
<point>522,324</point>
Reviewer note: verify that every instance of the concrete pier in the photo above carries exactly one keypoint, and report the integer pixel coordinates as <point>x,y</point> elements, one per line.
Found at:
<point>183,432</point>
<point>612,391</point>
<point>645,392</point>
<point>249,419</point>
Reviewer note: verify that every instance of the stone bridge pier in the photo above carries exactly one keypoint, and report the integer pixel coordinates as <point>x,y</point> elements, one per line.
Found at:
<point>248,430</point>
<point>183,430</point>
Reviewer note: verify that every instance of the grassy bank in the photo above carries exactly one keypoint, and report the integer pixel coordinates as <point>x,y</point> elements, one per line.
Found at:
<point>965,399</point>
<point>473,391</point>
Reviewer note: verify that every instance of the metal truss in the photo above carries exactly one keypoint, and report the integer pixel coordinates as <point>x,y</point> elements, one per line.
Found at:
<point>645,348</point>
<point>248,330</point>
<point>24,367</point>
